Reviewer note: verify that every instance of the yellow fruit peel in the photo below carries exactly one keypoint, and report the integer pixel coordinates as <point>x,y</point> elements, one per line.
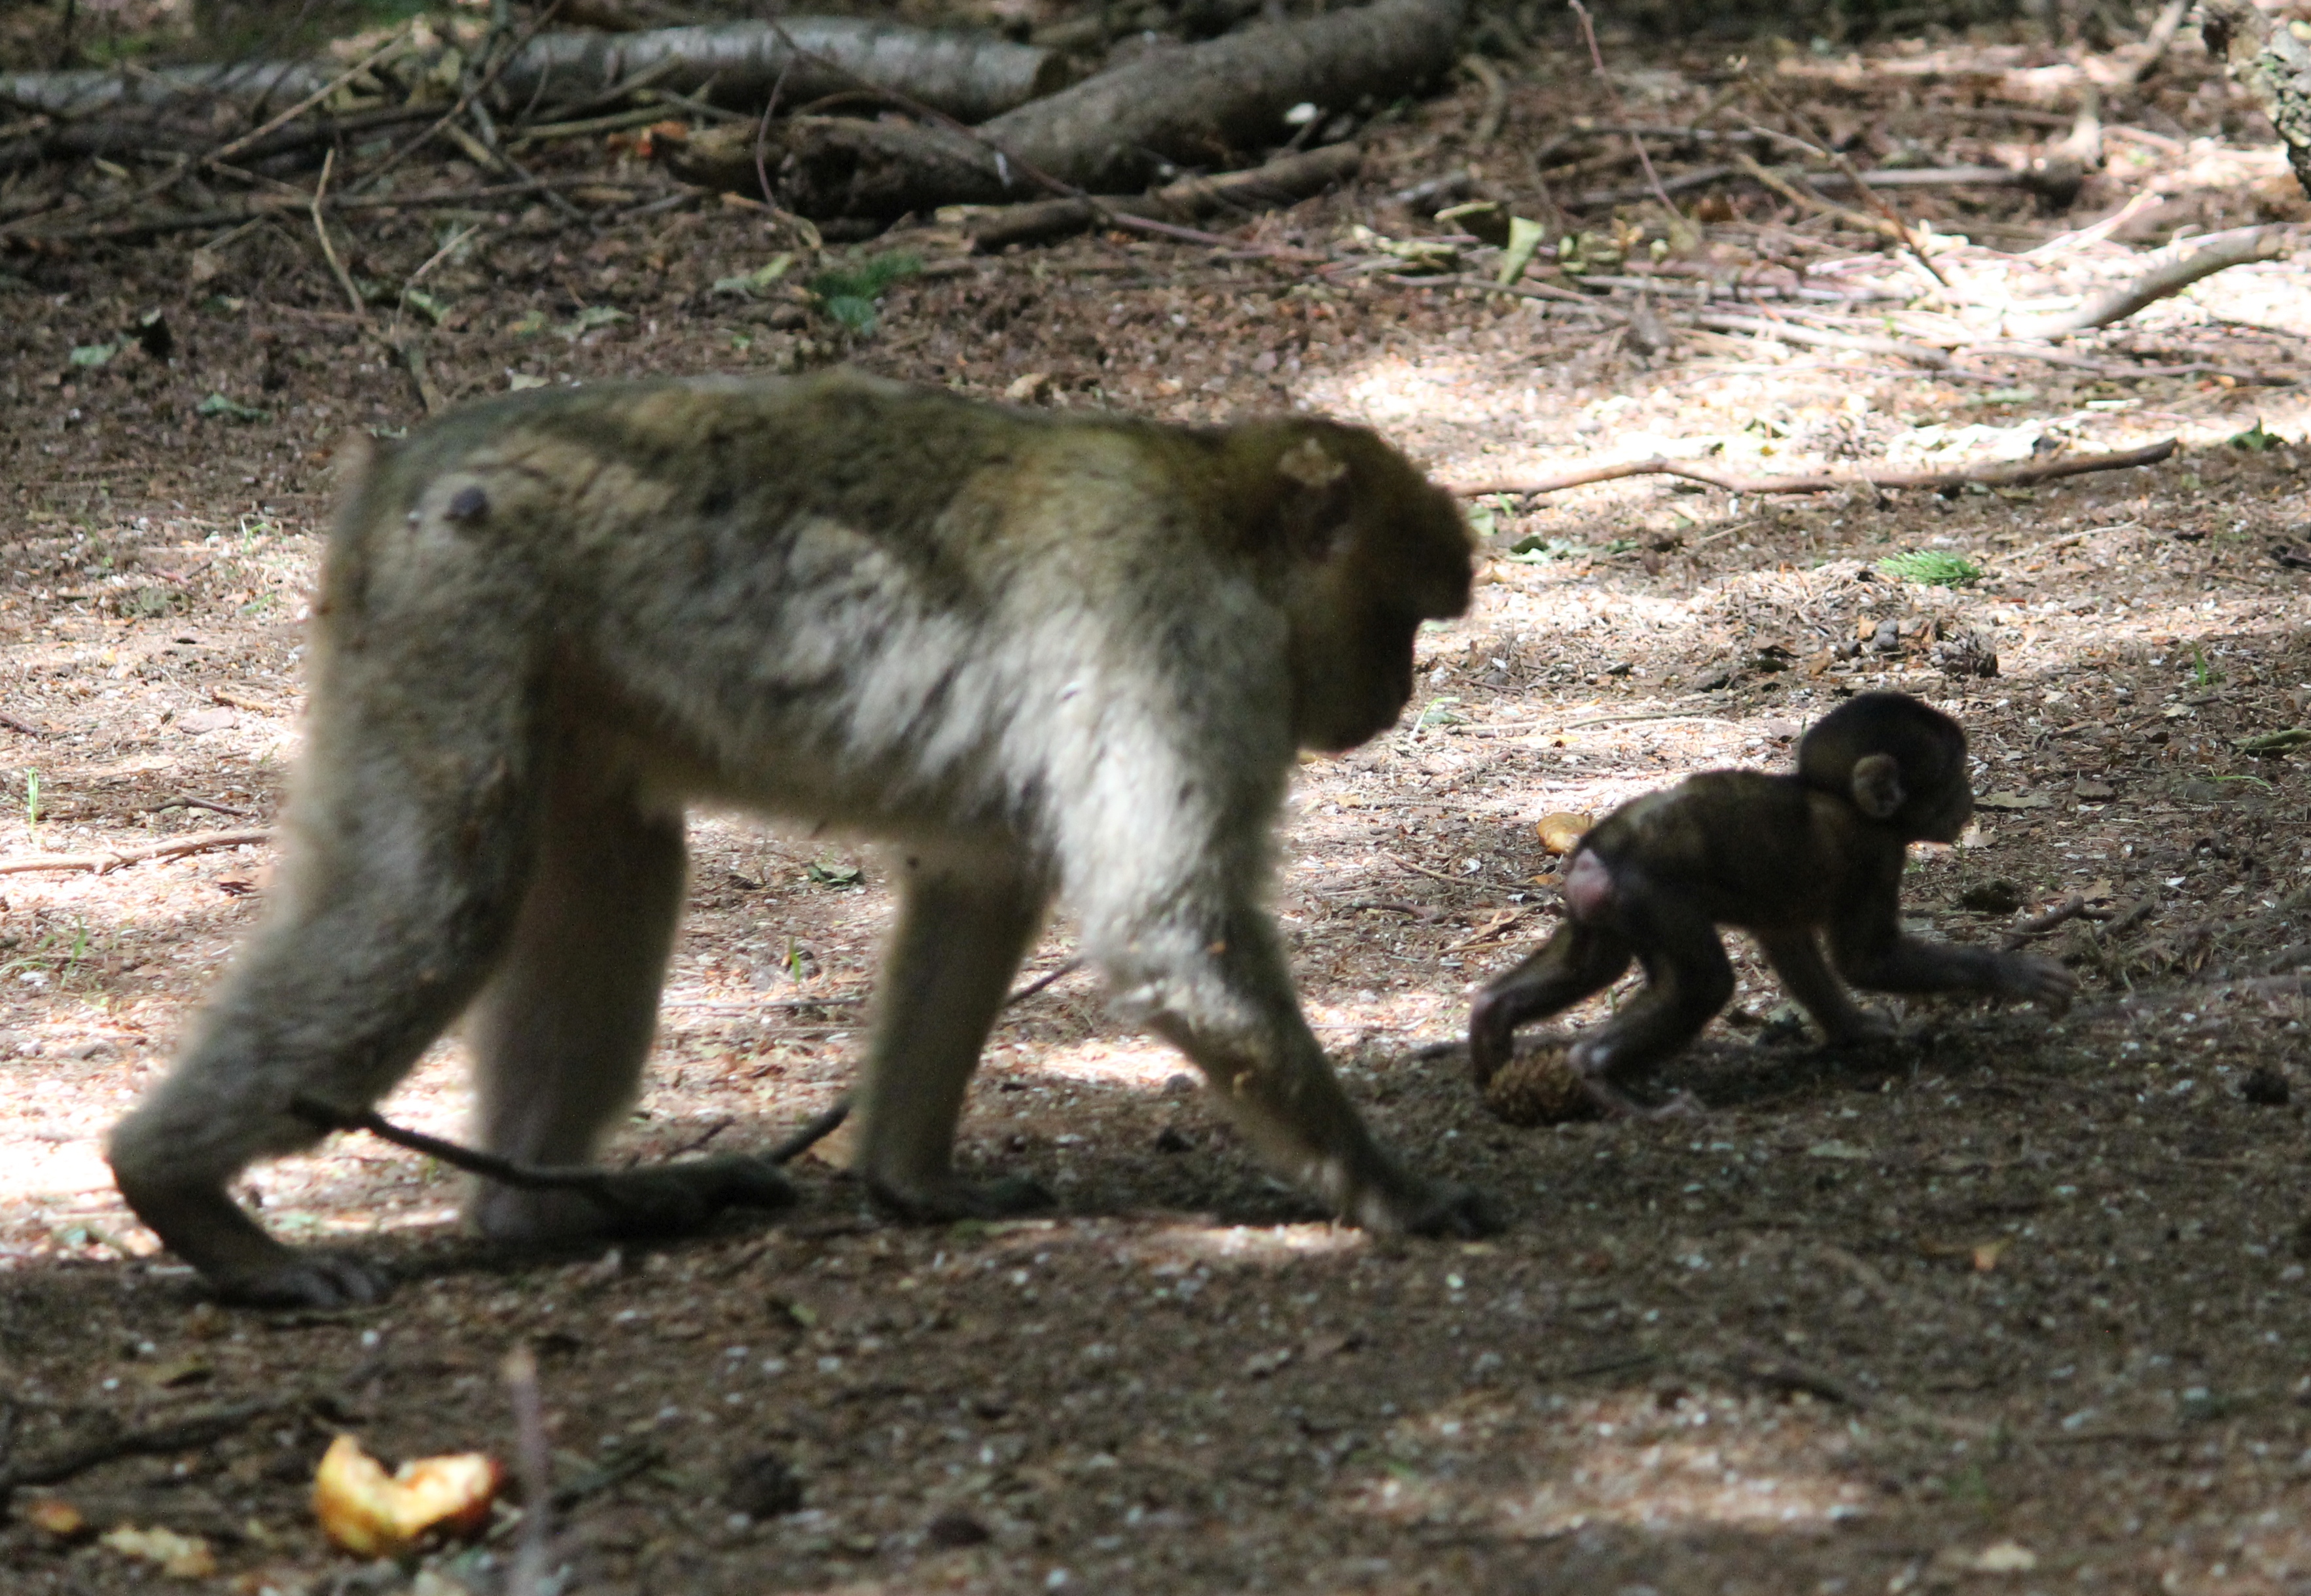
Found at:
<point>370,1513</point>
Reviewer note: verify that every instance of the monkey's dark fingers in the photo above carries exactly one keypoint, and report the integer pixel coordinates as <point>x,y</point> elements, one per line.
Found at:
<point>321,1280</point>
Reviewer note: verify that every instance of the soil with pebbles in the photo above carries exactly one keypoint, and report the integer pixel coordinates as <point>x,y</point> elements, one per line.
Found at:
<point>2012,1299</point>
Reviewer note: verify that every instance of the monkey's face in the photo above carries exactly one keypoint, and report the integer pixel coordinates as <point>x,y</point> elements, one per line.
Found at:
<point>1378,551</point>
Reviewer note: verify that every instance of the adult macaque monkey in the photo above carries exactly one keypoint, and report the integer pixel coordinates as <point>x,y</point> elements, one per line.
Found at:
<point>1043,654</point>
<point>1781,857</point>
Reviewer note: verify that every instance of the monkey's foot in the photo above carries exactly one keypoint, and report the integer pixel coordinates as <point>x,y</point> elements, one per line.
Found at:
<point>1618,1104</point>
<point>657,1200</point>
<point>202,1225</point>
<point>943,1201</point>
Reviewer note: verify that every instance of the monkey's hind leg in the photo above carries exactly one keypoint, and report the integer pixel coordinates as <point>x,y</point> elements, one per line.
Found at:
<point>400,881</point>
<point>1576,963</point>
<point>963,926</point>
<point>1687,980</point>
<point>560,1036</point>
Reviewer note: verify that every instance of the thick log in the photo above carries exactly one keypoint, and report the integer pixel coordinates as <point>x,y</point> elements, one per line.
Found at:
<point>968,77</point>
<point>1208,105</point>
<point>830,167</point>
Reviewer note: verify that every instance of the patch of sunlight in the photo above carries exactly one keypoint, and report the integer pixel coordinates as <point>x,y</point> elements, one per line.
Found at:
<point>34,1172</point>
<point>1620,1460</point>
<point>1391,388</point>
<point>1253,1244</point>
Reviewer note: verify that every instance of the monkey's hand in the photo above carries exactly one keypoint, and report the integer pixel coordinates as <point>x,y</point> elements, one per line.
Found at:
<point>942,1201</point>
<point>2037,981</point>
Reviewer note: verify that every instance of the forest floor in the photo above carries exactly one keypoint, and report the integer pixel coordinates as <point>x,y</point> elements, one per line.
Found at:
<point>2012,1302</point>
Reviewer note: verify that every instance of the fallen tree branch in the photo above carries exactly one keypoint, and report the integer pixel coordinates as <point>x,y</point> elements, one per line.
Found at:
<point>181,1432</point>
<point>1200,105</point>
<point>2172,270</point>
<point>971,75</point>
<point>2074,907</point>
<point>112,859</point>
<point>1281,182</point>
<point>1734,482</point>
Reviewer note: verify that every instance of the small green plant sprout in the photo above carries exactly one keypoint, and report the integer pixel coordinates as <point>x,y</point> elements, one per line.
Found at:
<point>848,293</point>
<point>2202,673</point>
<point>2254,440</point>
<point>1930,568</point>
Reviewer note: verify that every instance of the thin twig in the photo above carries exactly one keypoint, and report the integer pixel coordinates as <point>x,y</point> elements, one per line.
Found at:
<point>1613,99</point>
<point>1045,979</point>
<point>2021,475</point>
<point>399,41</point>
<point>328,249</point>
<point>112,859</point>
<point>2074,907</point>
<point>2181,267</point>
<point>528,1576</point>
<point>1791,332</point>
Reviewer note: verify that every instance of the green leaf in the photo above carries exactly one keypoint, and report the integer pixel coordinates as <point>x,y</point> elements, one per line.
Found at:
<point>434,309</point>
<point>2254,440</point>
<point>837,876</point>
<point>747,284</point>
<point>1524,239</point>
<point>93,355</point>
<point>589,318</point>
<point>232,410</point>
<point>848,294</point>
<point>2275,742</point>
<point>1931,568</point>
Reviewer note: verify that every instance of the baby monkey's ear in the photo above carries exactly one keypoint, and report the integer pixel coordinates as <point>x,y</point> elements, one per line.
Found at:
<point>1313,497</point>
<point>1877,790</point>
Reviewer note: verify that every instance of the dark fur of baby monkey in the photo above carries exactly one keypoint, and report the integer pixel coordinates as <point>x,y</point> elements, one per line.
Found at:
<point>1041,655</point>
<point>1814,855</point>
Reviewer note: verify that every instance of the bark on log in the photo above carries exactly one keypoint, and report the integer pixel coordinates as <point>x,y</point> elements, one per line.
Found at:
<point>2274,66</point>
<point>968,77</point>
<point>1281,182</point>
<point>830,167</point>
<point>1207,104</point>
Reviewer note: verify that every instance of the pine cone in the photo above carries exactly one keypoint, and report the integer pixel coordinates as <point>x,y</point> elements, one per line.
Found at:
<point>1541,1089</point>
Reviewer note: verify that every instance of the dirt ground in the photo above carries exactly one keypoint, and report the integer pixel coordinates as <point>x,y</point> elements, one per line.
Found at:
<point>2011,1304</point>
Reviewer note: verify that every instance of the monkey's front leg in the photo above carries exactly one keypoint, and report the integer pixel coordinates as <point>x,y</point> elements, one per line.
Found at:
<point>1807,978</point>
<point>1878,957</point>
<point>1228,1005</point>
<point>963,925</point>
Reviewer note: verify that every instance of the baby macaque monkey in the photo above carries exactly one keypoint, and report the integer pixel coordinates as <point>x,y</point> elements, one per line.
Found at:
<point>1781,857</point>
<point>1042,654</point>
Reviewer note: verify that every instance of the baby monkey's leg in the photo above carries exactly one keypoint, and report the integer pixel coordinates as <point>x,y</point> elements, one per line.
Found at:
<point>1576,963</point>
<point>1807,977</point>
<point>1687,980</point>
<point>560,1036</point>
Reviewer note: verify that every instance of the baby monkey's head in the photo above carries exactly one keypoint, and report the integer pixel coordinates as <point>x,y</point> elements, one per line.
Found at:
<point>1901,763</point>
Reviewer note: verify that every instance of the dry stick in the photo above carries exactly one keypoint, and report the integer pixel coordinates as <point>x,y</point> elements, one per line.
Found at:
<point>2162,34</point>
<point>180,1434</point>
<point>1523,291</point>
<point>528,1575</point>
<point>97,863</point>
<point>1733,482</point>
<point>1790,332</point>
<point>400,41</point>
<point>1613,99</point>
<point>2074,907</point>
<point>328,249</point>
<point>24,728</point>
<point>1799,197</point>
<point>1497,100</point>
<point>2186,266</point>
<point>480,85</point>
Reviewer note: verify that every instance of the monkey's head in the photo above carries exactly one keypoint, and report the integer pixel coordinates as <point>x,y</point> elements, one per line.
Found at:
<point>1899,761</point>
<point>1369,549</point>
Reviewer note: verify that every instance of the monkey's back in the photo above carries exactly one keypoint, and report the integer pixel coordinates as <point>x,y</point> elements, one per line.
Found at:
<point>1745,848</point>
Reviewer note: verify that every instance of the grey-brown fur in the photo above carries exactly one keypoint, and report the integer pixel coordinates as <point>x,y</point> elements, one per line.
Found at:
<point>1040,653</point>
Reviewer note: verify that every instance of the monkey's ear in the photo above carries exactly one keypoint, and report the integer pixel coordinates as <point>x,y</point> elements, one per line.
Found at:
<point>1314,496</point>
<point>1877,790</point>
